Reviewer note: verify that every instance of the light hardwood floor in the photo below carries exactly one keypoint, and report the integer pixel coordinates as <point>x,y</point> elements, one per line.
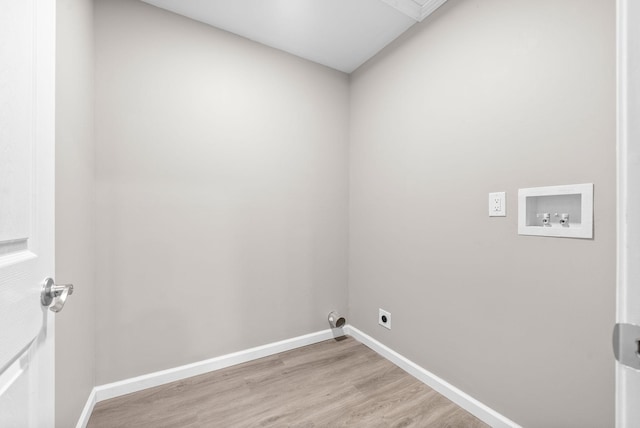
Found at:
<point>336,383</point>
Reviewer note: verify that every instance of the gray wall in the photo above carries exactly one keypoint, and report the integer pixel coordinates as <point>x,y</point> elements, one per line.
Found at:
<point>221,191</point>
<point>75,229</point>
<point>222,199</point>
<point>485,96</point>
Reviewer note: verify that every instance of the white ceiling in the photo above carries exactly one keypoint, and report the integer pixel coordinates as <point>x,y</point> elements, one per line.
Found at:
<point>340,34</point>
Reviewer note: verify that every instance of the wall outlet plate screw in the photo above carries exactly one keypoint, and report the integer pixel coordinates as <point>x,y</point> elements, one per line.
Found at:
<point>384,318</point>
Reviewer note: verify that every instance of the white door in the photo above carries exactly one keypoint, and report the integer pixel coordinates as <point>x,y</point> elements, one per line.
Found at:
<point>628,313</point>
<point>27,79</point>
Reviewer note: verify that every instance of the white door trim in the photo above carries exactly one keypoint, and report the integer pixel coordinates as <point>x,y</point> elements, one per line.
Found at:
<point>628,188</point>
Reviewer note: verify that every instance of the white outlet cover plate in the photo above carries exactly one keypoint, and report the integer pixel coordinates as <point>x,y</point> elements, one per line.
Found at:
<point>387,324</point>
<point>498,204</point>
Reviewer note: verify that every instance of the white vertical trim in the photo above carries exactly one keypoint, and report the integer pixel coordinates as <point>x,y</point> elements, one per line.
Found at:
<point>620,190</point>
<point>462,399</point>
<point>628,177</point>
<point>43,198</point>
<point>621,119</point>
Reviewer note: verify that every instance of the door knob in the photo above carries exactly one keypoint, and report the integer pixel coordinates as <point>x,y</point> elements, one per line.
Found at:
<point>53,295</point>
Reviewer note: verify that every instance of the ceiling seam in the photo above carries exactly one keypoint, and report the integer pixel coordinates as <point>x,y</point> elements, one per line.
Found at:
<point>429,7</point>
<point>408,7</point>
<point>413,9</point>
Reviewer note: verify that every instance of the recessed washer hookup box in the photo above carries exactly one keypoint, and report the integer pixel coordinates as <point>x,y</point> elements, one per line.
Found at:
<point>557,211</point>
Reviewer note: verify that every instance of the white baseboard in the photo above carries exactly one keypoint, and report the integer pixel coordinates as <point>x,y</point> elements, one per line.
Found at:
<point>88,409</point>
<point>127,386</point>
<point>462,399</point>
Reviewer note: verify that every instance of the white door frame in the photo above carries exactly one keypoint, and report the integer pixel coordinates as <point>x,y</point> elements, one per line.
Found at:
<point>628,174</point>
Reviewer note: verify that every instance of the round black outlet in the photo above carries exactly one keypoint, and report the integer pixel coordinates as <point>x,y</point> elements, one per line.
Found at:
<point>384,319</point>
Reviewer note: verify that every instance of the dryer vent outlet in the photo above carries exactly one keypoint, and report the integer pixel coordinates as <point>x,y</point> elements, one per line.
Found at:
<point>336,320</point>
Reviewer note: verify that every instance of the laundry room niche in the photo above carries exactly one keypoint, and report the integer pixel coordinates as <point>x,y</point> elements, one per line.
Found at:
<point>556,211</point>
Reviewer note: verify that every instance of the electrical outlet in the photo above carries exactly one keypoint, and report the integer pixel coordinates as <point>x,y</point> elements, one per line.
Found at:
<point>384,318</point>
<point>497,204</point>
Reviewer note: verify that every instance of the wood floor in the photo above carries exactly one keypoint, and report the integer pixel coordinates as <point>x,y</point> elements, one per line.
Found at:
<point>336,383</point>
